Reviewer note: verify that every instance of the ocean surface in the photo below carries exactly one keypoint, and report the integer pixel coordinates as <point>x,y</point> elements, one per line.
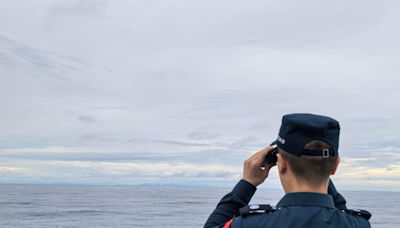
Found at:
<point>98,206</point>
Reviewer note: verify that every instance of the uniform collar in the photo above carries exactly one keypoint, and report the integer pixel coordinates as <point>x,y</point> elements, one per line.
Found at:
<point>307,199</point>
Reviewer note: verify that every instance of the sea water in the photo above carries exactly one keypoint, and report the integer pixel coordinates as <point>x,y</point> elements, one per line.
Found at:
<point>99,206</point>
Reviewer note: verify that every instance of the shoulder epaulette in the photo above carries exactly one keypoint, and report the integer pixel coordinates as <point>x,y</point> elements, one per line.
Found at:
<point>256,209</point>
<point>365,214</point>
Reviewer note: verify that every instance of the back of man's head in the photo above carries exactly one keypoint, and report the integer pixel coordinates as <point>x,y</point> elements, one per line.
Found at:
<point>309,144</point>
<point>311,170</point>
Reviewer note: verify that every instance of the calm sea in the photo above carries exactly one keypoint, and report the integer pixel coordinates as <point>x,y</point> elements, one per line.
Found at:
<point>77,206</point>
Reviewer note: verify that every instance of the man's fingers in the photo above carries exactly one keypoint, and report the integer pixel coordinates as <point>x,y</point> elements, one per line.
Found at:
<point>253,170</point>
<point>258,157</point>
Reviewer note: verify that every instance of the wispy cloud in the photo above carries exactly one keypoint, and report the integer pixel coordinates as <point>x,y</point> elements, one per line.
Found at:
<point>128,173</point>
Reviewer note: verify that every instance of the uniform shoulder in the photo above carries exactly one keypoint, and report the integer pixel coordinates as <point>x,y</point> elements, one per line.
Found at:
<point>256,209</point>
<point>359,212</point>
<point>251,215</point>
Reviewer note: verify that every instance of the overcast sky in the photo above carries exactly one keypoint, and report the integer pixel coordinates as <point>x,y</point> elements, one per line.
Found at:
<point>183,91</point>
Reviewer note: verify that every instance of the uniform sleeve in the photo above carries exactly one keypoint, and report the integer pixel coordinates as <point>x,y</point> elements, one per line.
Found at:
<point>340,201</point>
<point>230,204</point>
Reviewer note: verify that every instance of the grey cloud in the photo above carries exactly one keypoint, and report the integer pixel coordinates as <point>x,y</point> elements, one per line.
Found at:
<point>246,141</point>
<point>96,137</point>
<point>202,135</point>
<point>24,56</point>
<point>202,174</point>
<point>105,107</point>
<point>29,61</point>
<point>221,156</point>
<point>181,143</point>
<point>87,118</point>
<point>77,7</point>
<point>243,143</point>
<point>92,156</point>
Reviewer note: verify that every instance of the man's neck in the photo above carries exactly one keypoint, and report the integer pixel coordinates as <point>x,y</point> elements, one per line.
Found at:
<point>301,187</point>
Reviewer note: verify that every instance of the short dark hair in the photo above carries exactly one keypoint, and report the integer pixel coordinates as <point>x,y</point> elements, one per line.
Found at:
<point>312,170</point>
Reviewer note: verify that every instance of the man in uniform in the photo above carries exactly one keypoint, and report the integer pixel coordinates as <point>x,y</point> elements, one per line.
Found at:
<point>306,156</point>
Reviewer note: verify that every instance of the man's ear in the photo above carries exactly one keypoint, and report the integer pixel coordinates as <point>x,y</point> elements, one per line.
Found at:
<point>335,166</point>
<point>282,163</point>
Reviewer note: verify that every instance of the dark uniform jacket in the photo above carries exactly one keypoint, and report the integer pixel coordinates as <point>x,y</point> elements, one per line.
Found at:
<point>299,209</point>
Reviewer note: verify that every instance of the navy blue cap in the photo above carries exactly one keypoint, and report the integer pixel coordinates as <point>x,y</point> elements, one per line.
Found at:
<point>301,128</point>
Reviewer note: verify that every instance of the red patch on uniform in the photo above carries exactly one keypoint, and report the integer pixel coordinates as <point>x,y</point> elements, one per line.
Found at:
<point>228,223</point>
